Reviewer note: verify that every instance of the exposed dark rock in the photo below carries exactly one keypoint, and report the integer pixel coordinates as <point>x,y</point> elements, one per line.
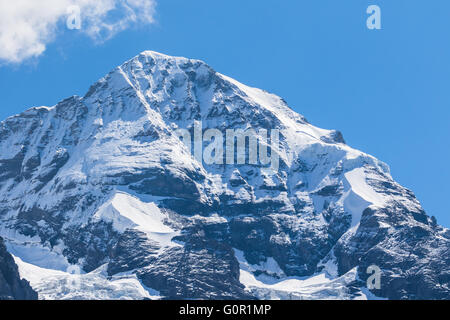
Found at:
<point>12,287</point>
<point>202,269</point>
<point>132,251</point>
<point>61,166</point>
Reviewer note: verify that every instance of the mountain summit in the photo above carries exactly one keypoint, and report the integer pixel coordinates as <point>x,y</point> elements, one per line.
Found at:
<point>100,197</point>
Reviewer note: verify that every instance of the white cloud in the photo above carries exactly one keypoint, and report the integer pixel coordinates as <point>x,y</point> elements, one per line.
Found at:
<point>27,26</point>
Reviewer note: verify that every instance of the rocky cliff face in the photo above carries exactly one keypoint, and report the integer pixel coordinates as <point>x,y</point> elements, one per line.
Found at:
<point>12,287</point>
<point>104,185</point>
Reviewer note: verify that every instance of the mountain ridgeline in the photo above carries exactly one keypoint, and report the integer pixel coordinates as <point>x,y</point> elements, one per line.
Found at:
<point>103,183</point>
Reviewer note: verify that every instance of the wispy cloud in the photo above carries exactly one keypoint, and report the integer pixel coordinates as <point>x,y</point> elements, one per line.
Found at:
<point>27,26</point>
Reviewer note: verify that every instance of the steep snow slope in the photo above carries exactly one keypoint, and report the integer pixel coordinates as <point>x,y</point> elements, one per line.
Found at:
<point>104,180</point>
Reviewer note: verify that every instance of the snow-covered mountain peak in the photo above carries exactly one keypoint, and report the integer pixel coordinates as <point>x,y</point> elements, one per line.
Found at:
<point>104,181</point>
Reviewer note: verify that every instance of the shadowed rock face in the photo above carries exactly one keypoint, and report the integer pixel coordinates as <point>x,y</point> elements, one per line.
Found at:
<point>328,209</point>
<point>11,286</point>
<point>203,268</point>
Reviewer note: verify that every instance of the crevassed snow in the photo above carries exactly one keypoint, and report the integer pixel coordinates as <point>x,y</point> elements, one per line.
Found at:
<point>38,255</point>
<point>31,250</point>
<point>319,286</point>
<point>96,285</point>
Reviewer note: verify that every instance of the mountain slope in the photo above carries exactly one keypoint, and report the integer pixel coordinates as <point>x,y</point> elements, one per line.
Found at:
<point>105,181</point>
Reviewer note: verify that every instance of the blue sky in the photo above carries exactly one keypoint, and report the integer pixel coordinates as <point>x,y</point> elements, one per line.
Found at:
<point>386,90</point>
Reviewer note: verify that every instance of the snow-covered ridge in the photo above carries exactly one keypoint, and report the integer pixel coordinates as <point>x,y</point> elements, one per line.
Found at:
<point>103,181</point>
